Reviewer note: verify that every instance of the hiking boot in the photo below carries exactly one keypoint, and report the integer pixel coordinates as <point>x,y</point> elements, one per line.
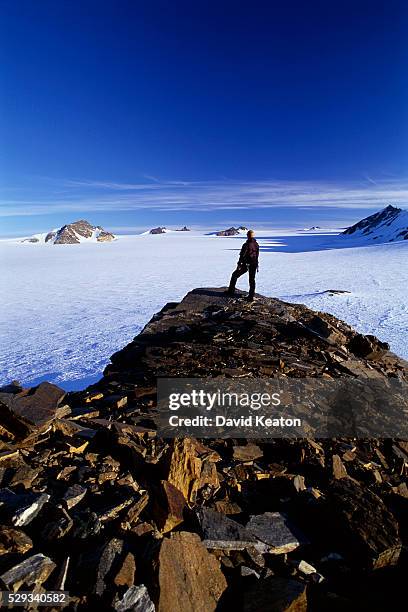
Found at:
<point>250,298</point>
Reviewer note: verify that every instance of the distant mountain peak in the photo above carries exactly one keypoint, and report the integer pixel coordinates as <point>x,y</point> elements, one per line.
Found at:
<point>388,225</point>
<point>74,233</point>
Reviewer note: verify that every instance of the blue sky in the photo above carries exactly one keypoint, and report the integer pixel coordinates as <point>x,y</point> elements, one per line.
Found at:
<point>132,114</point>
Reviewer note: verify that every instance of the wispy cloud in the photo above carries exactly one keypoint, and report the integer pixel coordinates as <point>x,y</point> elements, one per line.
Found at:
<point>85,195</point>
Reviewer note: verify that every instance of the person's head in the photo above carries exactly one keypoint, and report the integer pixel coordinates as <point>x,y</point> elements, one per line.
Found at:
<point>250,234</point>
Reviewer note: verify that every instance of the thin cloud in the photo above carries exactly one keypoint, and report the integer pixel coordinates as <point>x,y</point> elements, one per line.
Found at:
<point>72,195</point>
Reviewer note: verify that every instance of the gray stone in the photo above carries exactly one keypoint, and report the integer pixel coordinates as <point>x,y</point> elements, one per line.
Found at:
<point>136,599</point>
<point>223,533</point>
<point>273,529</point>
<point>109,557</point>
<point>32,571</point>
<point>74,495</point>
<point>25,514</point>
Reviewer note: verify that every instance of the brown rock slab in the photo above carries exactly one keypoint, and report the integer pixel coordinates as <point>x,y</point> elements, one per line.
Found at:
<point>14,541</point>
<point>190,578</point>
<point>168,507</point>
<point>40,405</point>
<point>368,347</point>
<point>126,573</point>
<point>339,469</point>
<point>326,330</point>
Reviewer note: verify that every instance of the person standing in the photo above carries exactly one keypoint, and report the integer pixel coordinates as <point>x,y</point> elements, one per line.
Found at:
<point>247,262</point>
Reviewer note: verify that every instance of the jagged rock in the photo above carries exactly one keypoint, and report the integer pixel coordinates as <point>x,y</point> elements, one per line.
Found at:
<point>234,493</point>
<point>168,506</point>
<point>74,233</point>
<point>190,466</point>
<point>14,541</point>
<point>135,599</point>
<point>247,452</point>
<point>223,533</point>
<point>339,469</point>
<point>368,347</point>
<point>71,428</point>
<point>248,571</point>
<point>359,523</point>
<point>59,527</point>
<point>33,239</point>
<point>276,594</point>
<point>34,408</point>
<point>114,508</point>
<point>87,525</point>
<point>158,230</point>
<point>25,476</point>
<point>22,508</point>
<point>306,570</point>
<point>109,557</point>
<point>32,571</point>
<point>188,575</point>
<point>299,483</point>
<point>126,573</point>
<point>225,506</point>
<point>133,513</point>
<point>273,529</point>
<point>105,236</point>
<point>326,330</point>
<point>74,495</point>
<point>50,236</point>
<point>232,231</point>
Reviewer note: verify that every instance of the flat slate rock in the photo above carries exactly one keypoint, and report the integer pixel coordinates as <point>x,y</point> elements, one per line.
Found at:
<point>32,409</point>
<point>274,529</point>
<point>135,599</point>
<point>223,533</point>
<point>32,571</point>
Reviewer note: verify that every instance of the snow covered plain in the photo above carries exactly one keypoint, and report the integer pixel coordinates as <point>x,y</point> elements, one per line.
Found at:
<point>65,309</point>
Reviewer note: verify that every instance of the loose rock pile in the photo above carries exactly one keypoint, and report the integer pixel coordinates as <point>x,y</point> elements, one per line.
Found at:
<point>93,502</point>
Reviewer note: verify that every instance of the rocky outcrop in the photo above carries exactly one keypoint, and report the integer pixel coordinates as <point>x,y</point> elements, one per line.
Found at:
<point>158,230</point>
<point>232,231</point>
<point>183,229</point>
<point>73,233</point>
<point>93,501</point>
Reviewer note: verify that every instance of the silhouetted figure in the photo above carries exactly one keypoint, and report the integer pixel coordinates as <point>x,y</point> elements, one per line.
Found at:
<point>247,262</point>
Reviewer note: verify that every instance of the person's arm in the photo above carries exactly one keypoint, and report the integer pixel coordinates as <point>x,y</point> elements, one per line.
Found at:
<point>242,253</point>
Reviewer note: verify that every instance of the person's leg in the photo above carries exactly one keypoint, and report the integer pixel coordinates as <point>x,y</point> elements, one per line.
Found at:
<point>240,270</point>
<point>252,272</point>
